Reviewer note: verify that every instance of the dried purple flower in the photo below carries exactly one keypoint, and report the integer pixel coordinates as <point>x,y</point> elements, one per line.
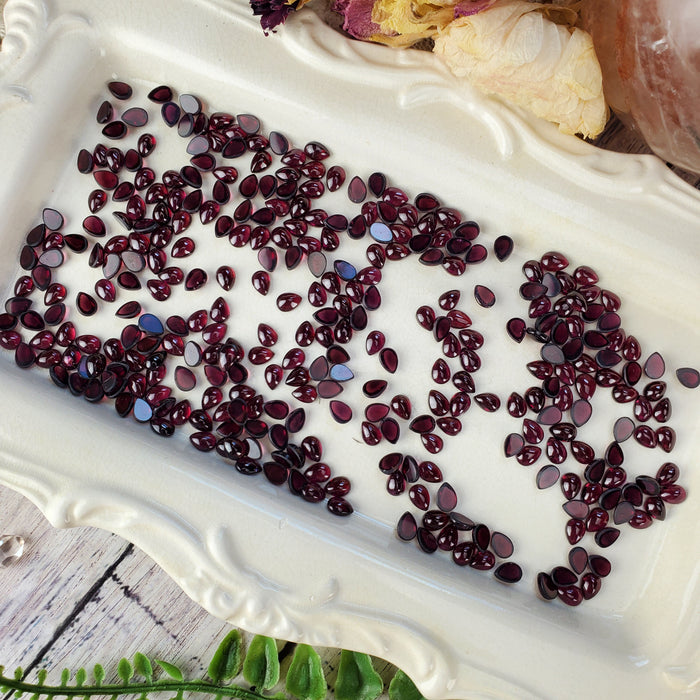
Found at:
<point>272,13</point>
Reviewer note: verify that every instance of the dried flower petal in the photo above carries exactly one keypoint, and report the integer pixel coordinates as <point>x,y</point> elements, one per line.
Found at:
<point>514,51</point>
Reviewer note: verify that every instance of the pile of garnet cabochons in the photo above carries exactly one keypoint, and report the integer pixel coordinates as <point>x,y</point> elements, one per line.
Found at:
<point>582,345</point>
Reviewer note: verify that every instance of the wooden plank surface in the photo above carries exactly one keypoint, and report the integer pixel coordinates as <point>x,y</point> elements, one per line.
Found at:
<point>85,595</point>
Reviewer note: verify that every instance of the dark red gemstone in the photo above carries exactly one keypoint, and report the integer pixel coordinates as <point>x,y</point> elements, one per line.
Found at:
<point>390,430</point>
<point>623,512</point>
<point>115,130</point>
<point>488,402</point>
<point>575,530</point>
<point>86,304</point>
<point>484,296</point>
<point>562,576</point>
<point>508,572</point>
<point>390,463</point>
<point>438,403</point>
<point>532,432</point>
<point>545,586</point>
<point>121,90</point>
<point>389,359</point>
<point>655,507</point>
<point>482,560</point>
<point>435,520</point>
<point>459,403</point>
<point>667,474</point>
<point>571,595</point>
<point>422,424</point>
<point>640,520</point>
<point>420,497</point>
<point>371,434</point>
<point>607,536</point>
<point>516,405</point>
<point>339,506</point>
<point>470,361</point>
<point>433,443</point>
<point>446,499</point>
<point>528,455</point>
<point>374,388</point>
<point>503,247</point>
<point>481,536</point>
<point>406,527</point>
<point>288,301</point>
<point>666,438</point>
<point>673,493</point>
<point>340,411</point>
<point>597,520</point>
<point>463,553</point>
<point>655,366</point>
<point>426,540</point>
<point>516,329</point>
<point>430,472</point>
<point>25,355</point>
<point>689,377</point>
<point>160,94</point>
<point>547,476</point>
<point>440,371</point>
<point>396,483</point>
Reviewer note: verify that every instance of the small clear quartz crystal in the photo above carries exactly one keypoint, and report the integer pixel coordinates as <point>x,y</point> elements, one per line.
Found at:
<point>11,549</point>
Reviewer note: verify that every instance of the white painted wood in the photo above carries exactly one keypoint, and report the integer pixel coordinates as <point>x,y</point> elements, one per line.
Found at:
<point>83,595</point>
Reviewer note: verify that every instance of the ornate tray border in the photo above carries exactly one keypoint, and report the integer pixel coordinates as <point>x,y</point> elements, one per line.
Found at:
<point>351,603</point>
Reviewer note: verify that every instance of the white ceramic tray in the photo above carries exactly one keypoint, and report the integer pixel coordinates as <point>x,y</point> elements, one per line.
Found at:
<point>253,554</point>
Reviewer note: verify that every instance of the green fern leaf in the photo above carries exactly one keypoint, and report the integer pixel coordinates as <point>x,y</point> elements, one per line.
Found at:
<point>305,678</point>
<point>226,662</point>
<point>357,679</point>
<point>99,674</point>
<point>18,693</point>
<point>65,677</point>
<point>80,677</point>
<point>125,670</point>
<point>173,671</point>
<point>261,667</point>
<point>403,688</point>
<point>41,676</point>
<point>143,666</point>
<point>18,673</point>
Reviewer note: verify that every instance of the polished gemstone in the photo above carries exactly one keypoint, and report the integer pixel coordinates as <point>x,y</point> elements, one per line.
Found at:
<point>689,377</point>
<point>389,359</point>
<point>547,476</point>
<point>11,549</point>
<point>446,498</point>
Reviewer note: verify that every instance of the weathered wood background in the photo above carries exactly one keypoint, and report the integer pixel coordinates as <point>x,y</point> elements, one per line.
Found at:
<point>84,595</point>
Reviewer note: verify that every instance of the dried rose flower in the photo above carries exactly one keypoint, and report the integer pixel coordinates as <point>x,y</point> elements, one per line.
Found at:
<point>512,50</point>
<point>272,13</point>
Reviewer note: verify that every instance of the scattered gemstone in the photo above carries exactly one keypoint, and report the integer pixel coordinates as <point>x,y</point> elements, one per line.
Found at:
<point>407,527</point>
<point>502,545</point>
<point>547,476</point>
<point>11,549</point>
<point>655,366</point>
<point>389,359</point>
<point>503,247</point>
<point>340,411</point>
<point>688,377</point>
<point>446,498</point>
<point>484,296</point>
<point>508,572</point>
